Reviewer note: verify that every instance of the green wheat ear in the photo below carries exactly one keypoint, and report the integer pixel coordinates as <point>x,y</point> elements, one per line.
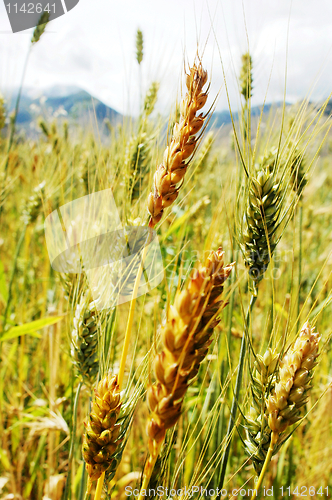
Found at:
<point>2,112</point>
<point>263,379</point>
<point>261,221</point>
<point>298,172</point>
<point>33,205</point>
<point>266,213</point>
<point>40,28</point>
<point>150,99</point>
<point>246,78</point>
<point>84,349</point>
<point>139,46</point>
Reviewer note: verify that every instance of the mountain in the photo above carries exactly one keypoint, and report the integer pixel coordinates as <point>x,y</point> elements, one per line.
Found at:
<point>78,106</point>
<point>220,118</point>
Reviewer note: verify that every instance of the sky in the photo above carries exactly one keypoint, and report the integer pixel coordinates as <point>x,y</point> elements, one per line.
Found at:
<point>93,47</point>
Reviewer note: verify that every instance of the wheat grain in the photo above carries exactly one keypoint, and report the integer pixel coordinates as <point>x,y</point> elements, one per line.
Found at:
<point>298,172</point>
<point>186,337</point>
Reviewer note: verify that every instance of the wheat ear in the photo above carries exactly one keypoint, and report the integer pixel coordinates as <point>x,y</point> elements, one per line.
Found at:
<point>295,374</point>
<point>2,112</point>
<point>169,175</point>
<point>258,433</point>
<point>186,337</point>
<point>84,340</point>
<point>246,78</point>
<point>102,436</point>
<point>290,392</point>
<point>261,222</point>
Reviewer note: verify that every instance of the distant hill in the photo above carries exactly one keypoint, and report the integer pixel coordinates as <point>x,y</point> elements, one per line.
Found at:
<point>220,118</point>
<point>328,109</point>
<point>79,107</point>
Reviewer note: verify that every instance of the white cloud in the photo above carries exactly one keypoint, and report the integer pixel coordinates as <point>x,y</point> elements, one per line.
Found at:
<point>93,46</point>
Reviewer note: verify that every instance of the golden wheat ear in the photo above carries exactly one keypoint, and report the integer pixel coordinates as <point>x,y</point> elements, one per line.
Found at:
<point>177,156</point>
<point>102,436</point>
<point>294,382</point>
<point>279,395</point>
<point>186,337</point>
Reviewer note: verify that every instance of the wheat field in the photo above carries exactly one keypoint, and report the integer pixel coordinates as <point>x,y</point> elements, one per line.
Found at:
<point>218,380</point>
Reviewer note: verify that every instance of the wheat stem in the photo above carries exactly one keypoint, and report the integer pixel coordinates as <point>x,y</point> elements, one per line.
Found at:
<point>13,124</point>
<point>238,382</point>
<point>300,264</point>
<point>149,468</point>
<point>127,340</point>
<point>14,118</point>
<point>274,439</point>
<point>131,313</point>
<point>12,277</point>
<point>72,441</point>
<point>82,482</point>
<point>99,486</point>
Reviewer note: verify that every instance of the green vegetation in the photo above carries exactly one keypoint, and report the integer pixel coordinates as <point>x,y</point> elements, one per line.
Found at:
<point>232,391</point>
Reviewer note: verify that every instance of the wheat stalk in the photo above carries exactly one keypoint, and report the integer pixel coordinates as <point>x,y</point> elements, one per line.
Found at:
<point>30,212</point>
<point>140,146</point>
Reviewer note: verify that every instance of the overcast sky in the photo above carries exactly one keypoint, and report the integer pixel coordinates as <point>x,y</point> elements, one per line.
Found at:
<point>93,47</point>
